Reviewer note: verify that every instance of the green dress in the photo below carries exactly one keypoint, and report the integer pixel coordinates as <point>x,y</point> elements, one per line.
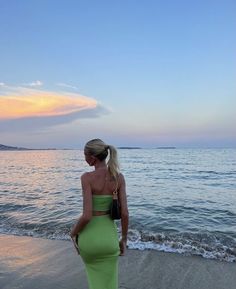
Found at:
<point>99,247</point>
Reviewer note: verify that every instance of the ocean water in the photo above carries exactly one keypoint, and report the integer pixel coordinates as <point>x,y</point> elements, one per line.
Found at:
<point>180,200</point>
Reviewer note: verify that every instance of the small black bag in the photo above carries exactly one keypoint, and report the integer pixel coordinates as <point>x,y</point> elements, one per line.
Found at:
<point>115,207</point>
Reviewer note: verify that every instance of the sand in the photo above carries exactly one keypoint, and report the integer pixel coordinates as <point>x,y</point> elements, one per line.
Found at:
<point>34,263</point>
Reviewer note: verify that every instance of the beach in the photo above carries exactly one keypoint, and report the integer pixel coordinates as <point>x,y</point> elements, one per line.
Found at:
<point>28,263</point>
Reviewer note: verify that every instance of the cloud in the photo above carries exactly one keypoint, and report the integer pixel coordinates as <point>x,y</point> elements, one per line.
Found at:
<point>25,108</point>
<point>35,83</point>
<point>66,85</point>
<point>2,84</point>
<point>24,102</point>
<point>38,123</point>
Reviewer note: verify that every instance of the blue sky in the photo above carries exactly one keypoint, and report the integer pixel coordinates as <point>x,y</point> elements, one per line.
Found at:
<point>153,73</point>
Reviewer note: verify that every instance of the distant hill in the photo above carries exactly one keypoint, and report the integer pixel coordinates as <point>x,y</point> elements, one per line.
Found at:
<point>10,148</point>
<point>129,148</point>
<point>166,148</point>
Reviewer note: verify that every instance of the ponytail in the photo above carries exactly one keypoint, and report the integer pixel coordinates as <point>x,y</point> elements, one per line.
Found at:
<point>113,165</point>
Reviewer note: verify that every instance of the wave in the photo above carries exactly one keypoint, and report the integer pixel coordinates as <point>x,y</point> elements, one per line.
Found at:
<point>206,244</point>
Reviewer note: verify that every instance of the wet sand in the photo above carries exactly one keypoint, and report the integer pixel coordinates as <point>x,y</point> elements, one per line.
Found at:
<point>35,263</point>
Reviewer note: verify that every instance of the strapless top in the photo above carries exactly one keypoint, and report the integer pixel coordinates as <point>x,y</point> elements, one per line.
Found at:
<point>102,202</point>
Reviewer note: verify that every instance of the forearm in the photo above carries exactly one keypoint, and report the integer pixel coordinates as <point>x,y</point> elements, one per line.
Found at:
<point>124,225</point>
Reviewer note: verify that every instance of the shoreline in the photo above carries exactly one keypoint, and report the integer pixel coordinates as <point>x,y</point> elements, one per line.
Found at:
<point>28,262</point>
<point>228,255</point>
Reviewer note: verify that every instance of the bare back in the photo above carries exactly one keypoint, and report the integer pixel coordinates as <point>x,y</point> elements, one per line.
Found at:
<point>102,183</point>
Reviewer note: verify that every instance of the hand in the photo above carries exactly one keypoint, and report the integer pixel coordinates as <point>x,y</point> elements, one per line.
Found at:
<point>72,234</point>
<point>73,238</point>
<point>122,245</point>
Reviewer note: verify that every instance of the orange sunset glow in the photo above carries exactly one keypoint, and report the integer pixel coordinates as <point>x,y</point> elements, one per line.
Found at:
<point>35,103</point>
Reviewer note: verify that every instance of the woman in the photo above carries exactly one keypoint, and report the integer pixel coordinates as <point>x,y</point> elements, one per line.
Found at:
<point>96,232</point>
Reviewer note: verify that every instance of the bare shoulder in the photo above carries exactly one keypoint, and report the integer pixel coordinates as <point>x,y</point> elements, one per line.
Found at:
<point>86,183</point>
<point>121,177</point>
<point>121,180</point>
<point>85,177</point>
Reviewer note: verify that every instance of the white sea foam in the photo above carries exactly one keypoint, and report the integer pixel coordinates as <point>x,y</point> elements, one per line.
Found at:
<point>219,252</point>
<point>173,244</point>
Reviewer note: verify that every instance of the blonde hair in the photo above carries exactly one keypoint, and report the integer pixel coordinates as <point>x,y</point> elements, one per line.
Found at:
<point>99,149</point>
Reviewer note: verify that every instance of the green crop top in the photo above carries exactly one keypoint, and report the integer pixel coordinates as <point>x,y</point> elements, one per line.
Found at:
<point>102,202</point>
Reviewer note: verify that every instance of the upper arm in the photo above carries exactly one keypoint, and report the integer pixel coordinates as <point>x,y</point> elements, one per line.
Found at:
<point>87,196</point>
<point>122,195</point>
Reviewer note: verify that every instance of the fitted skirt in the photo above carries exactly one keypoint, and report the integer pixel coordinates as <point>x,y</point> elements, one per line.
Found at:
<point>99,249</point>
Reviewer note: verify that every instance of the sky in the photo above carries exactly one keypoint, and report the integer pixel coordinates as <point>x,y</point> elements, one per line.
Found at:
<point>133,73</point>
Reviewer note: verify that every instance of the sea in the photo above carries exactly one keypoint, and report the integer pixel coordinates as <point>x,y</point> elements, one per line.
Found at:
<point>180,200</point>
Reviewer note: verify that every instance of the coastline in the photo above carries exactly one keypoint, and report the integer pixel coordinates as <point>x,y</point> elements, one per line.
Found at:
<point>28,262</point>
